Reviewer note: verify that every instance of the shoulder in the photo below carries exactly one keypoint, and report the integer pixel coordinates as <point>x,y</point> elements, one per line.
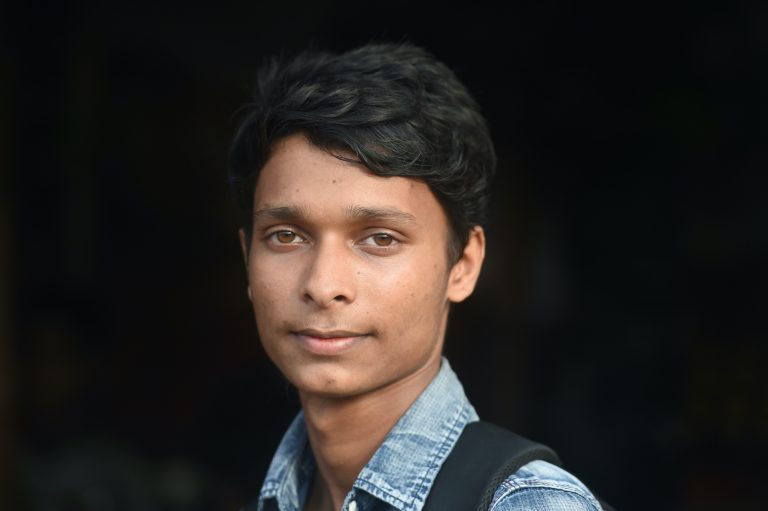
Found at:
<point>541,486</point>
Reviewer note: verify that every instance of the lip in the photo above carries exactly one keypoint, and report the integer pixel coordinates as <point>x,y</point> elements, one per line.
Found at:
<point>328,343</point>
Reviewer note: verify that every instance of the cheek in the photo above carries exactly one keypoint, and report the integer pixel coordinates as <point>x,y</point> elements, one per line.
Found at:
<point>268,290</point>
<point>417,296</point>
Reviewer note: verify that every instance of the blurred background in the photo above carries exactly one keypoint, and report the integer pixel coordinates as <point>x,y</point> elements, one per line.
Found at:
<point>619,317</point>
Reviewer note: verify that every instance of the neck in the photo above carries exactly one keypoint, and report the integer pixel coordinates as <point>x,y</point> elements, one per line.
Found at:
<point>345,432</point>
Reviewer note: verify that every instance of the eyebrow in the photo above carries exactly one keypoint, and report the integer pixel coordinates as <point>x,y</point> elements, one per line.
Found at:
<point>282,213</point>
<point>387,214</point>
<point>294,213</point>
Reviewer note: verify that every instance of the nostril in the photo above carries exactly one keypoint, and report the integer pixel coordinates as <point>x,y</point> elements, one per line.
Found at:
<point>327,281</point>
<point>337,298</point>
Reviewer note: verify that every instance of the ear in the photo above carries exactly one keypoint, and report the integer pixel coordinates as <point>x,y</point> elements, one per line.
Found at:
<point>464,274</point>
<point>244,248</point>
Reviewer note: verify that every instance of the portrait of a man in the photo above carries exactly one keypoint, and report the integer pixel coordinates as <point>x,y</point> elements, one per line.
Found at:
<point>324,256</point>
<point>364,178</point>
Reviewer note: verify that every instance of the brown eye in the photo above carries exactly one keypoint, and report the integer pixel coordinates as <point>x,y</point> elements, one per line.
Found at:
<point>383,240</point>
<point>285,236</point>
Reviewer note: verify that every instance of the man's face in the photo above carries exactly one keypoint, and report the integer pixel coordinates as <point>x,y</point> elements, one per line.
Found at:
<point>348,272</point>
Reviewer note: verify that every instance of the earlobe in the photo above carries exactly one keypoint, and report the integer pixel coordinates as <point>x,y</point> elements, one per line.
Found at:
<point>244,249</point>
<point>466,271</point>
<point>243,246</point>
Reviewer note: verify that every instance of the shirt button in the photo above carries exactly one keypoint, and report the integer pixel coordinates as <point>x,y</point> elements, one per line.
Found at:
<point>352,505</point>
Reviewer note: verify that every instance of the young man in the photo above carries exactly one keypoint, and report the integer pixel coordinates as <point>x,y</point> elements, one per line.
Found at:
<point>364,178</point>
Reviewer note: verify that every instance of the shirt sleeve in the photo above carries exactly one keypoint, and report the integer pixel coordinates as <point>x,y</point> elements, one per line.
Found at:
<point>540,486</point>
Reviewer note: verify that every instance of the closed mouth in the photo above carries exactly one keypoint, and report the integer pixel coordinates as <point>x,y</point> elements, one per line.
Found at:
<point>328,343</point>
<point>328,334</point>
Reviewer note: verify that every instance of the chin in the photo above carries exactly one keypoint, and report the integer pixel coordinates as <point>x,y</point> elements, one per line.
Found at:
<point>328,380</point>
<point>330,389</point>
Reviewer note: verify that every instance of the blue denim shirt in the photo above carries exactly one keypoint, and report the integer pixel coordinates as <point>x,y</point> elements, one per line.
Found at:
<point>401,472</point>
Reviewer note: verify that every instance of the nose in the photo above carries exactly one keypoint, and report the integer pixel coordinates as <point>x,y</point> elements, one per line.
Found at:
<point>328,279</point>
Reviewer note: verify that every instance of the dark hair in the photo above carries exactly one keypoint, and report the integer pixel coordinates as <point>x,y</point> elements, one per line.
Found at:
<point>397,109</point>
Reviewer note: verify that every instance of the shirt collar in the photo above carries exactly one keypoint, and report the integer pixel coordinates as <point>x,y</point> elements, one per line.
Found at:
<point>291,468</point>
<point>402,469</point>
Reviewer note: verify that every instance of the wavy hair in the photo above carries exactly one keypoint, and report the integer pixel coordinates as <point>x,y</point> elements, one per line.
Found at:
<point>394,107</point>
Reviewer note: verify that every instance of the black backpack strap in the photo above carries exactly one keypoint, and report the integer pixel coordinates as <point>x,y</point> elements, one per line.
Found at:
<point>482,458</point>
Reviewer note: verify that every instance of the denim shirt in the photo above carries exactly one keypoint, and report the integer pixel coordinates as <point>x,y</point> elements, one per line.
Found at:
<point>402,470</point>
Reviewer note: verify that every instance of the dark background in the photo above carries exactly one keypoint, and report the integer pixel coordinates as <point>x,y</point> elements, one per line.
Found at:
<point>620,317</point>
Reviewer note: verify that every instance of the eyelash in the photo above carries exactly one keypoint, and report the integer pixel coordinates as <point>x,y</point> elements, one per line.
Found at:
<point>393,241</point>
<point>272,237</point>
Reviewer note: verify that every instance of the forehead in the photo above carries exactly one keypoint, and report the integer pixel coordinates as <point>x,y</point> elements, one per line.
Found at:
<point>301,175</point>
